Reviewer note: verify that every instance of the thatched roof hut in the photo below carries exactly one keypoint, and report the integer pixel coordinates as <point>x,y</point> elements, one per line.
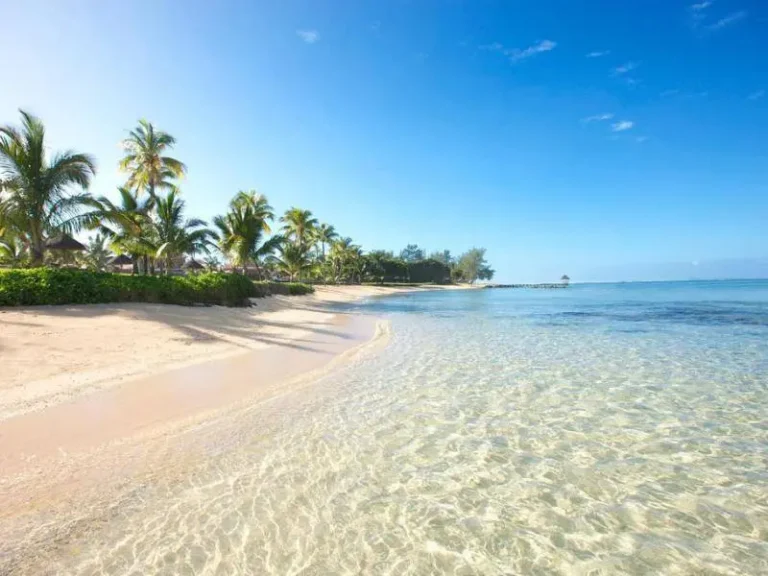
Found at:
<point>193,265</point>
<point>121,260</point>
<point>64,242</point>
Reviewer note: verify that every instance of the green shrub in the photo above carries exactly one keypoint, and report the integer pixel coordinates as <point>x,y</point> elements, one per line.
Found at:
<point>55,286</point>
<point>267,288</point>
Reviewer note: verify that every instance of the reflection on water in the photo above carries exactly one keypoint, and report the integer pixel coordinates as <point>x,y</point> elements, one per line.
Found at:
<point>499,433</point>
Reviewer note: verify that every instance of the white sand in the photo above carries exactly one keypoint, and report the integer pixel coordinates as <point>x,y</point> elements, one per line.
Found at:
<point>52,354</point>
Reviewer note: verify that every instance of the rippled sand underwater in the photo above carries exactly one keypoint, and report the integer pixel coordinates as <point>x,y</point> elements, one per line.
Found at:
<point>498,433</point>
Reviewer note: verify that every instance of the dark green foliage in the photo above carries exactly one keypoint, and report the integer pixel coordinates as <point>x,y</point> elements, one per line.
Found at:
<point>267,288</point>
<point>382,267</point>
<point>429,271</point>
<point>55,286</point>
<point>412,253</point>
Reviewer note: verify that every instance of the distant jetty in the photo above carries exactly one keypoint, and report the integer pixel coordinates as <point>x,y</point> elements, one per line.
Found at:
<point>549,286</point>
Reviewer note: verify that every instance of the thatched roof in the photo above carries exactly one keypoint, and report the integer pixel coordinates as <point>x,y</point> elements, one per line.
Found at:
<point>193,265</point>
<point>121,260</point>
<point>565,277</point>
<point>64,242</point>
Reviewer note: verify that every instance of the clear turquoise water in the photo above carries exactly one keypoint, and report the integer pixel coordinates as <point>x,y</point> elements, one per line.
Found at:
<point>602,429</point>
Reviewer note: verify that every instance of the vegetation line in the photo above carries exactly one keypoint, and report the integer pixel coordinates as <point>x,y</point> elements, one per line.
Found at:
<point>144,230</point>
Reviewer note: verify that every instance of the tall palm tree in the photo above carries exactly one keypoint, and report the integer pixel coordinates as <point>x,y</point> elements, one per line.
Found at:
<point>299,226</point>
<point>147,166</point>
<point>242,229</point>
<point>325,234</point>
<point>35,189</point>
<point>241,238</point>
<point>293,259</point>
<point>127,225</point>
<point>176,235</point>
<point>258,206</point>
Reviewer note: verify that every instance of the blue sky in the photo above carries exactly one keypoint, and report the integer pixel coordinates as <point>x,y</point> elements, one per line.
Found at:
<point>595,138</point>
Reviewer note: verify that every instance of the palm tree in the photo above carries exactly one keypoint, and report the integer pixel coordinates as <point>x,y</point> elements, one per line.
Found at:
<point>293,259</point>
<point>126,225</point>
<point>97,256</point>
<point>35,198</point>
<point>148,169</point>
<point>12,252</point>
<point>176,235</point>
<point>242,229</point>
<point>257,204</point>
<point>345,260</point>
<point>325,234</point>
<point>299,226</point>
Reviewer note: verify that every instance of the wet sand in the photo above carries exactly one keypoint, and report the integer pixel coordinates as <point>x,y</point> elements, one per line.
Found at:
<point>78,440</point>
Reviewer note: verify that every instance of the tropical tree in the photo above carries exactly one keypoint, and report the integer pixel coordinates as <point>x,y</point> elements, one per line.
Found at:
<point>299,226</point>
<point>472,266</point>
<point>149,169</point>
<point>412,253</point>
<point>291,259</point>
<point>127,225</point>
<point>257,204</point>
<point>97,256</point>
<point>346,260</point>
<point>12,252</point>
<point>443,256</point>
<point>325,234</point>
<point>36,196</point>
<point>176,235</point>
<point>242,230</point>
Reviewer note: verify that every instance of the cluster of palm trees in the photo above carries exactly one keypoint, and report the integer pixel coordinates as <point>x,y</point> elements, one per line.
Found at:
<point>44,195</point>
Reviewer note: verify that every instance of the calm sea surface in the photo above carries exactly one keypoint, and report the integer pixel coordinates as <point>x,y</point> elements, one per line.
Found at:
<point>602,429</point>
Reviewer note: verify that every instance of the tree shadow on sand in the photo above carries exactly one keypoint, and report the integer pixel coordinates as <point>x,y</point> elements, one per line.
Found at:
<point>235,326</point>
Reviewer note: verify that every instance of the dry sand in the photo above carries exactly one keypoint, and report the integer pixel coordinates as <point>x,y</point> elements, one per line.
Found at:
<point>52,354</point>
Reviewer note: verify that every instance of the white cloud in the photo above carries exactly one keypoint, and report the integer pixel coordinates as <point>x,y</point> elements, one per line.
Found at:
<point>308,36</point>
<point>668,93</point>
<point>701,6</point>
<point>622,126</point>
<point>624,68</point>
<point>728,20</point>
<point>597,118</point>
<point>543,46</point>
<point>641,139</point>
<point>756,95</point>
<point>598,53</point>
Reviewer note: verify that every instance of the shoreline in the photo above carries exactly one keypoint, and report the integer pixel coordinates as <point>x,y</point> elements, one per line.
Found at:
<point>49,454</point>
<point>59,353</point>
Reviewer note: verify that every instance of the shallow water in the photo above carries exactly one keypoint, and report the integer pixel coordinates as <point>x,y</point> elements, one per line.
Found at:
<point>603,429</point>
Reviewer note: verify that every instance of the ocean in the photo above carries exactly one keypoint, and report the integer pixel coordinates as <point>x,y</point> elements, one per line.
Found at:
<point>600,429</point>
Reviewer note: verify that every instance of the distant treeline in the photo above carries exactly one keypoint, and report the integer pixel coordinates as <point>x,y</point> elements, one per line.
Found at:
<point>144,224</point>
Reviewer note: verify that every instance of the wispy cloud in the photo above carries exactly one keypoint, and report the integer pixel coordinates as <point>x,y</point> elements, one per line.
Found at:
<point>598,53</point>
<point>669,93</point>
<point>622,126</point>
<point>543,46</point>
<point>701,6</point>
<point>756,95</point>
<point>517,54</point>
<point>597,118</point>
<point>728,20</point>
<point>308,36</point>
<point>624,68</point>
<point>641,139</point>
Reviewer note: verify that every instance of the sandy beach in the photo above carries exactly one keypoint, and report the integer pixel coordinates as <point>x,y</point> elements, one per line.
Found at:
<point>54,354</point>
<point>91,396</point>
